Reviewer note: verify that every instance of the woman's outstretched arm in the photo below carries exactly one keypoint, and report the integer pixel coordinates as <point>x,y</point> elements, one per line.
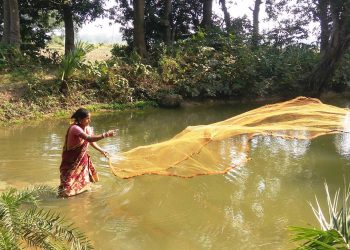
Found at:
<point>94,138</point>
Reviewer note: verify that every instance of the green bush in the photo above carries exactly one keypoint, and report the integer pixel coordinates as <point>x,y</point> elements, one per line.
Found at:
<point>231,68</point>
<point>341,79</point>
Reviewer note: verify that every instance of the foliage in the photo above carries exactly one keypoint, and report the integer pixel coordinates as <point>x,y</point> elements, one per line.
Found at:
<point>110,82</point>
<point>223,65</point>
<point>291,21</point>
<point>11,57</point>
<point>334,232</point>
<point>39,18</point>
<point>220,65</point>
<point>121,51</point>
<point>185,17</point>
<point>23,224</point>
<point>341,79</point>
<point>74,59</point>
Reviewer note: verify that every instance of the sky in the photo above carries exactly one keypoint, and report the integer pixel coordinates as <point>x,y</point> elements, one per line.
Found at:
<point>103,31</point>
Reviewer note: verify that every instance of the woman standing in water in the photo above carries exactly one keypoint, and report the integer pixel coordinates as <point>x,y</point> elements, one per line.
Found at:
<point>76,170</point>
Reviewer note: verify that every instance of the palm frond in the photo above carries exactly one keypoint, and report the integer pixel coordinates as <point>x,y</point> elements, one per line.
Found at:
<point>74,59</point>
<point>9,213</point>
<point>49,227</point>
<point>33,194</point>
<point>334,230</point>
<point>38,228</point>
<point>317,238</point>
<point>7,241</point>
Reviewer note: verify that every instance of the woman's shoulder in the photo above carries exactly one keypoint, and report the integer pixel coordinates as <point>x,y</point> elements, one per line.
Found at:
<point>75,129</point>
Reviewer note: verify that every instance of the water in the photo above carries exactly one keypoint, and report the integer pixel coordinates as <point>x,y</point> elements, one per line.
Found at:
<point>248,208</point>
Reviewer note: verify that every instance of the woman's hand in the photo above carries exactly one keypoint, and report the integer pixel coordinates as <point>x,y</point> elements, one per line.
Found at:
<point>110,133</point>
<point>105,153</point>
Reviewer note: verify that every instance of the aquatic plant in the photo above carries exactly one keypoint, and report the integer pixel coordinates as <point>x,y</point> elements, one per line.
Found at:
<point>22,224</point>
<point>334,232</point>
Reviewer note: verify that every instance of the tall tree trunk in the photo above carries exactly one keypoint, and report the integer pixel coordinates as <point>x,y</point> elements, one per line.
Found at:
<point>339,43</point>
<point>207,14</point>
<point>139,27</point>
<point>68,28</point>
<point>12,34</point>
<point>7,22</point>
<point>227,17</point>
<point>165,22</point>
<point>324,23</point>
<point>255,34</point>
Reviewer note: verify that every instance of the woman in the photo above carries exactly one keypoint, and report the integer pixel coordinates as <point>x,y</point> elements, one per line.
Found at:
<point>76,170</point>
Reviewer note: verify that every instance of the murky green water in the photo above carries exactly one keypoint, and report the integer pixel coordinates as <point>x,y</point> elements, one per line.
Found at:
<point>248,208</point>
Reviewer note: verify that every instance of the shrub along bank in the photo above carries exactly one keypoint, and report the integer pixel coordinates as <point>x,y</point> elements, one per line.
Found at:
<point>203,66</point>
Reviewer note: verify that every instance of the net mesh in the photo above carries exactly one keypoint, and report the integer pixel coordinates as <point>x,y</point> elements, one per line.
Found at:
<point>217,148</point>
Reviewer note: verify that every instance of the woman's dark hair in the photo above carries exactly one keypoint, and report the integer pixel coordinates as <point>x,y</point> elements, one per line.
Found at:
<point>80,114</point>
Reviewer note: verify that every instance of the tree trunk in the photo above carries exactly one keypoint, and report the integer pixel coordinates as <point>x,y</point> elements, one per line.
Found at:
<point>68,28</point>
<point>227,17</point>
<point>12,34</point>
<point>324,23</point>
<point>139,27</point>
<point>255,34</point>
<point>207,14</point>
<point>166,23</point>
<point>339,43</point>
<point>7,22</point>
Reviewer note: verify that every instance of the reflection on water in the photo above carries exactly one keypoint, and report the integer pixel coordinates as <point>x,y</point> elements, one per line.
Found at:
<point>342,141</point>
<point>248,208</point>
<point>289,147</point>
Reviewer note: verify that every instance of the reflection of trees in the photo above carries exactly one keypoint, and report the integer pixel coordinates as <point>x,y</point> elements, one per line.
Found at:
<point>261,199</point>
<point>234,152</point>
<point>342,141</point>
<point>289,147</point>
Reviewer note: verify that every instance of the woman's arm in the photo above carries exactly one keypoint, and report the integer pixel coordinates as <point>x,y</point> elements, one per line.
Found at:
<point>94,138</point>
<point>98,148</point>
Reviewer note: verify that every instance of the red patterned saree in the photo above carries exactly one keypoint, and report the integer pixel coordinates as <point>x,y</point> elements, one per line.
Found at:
<point>76,170</point>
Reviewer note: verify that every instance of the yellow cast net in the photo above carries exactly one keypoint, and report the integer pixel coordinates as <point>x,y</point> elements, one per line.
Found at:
<point>217,148</point>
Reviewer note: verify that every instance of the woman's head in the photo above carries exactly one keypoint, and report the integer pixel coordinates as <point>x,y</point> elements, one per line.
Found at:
<point>81,117</point>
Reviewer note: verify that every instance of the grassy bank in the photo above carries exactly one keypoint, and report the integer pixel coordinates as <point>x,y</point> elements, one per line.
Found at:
<point>18,112</point>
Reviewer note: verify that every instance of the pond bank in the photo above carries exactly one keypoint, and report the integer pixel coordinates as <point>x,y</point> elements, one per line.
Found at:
<point>17,110</point>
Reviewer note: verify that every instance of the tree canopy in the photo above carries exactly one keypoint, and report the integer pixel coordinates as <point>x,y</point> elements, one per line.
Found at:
<point>152,26</point>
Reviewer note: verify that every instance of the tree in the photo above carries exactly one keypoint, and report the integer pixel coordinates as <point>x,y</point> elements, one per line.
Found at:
<point>36,23</point>
<point>23,225</point>
<point>227,17</point>
<point>255,33</point>
<point>73,13</point>
<point>68,27</point>
<point>166,22</point>
<point>40,17</point>
<point>184,18</point>
<point>291,20</point>
<point>339,43</point>
<point>12,35</point>
<point>139,27</point>
<point>322,13</point>
<point>207,21</point>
